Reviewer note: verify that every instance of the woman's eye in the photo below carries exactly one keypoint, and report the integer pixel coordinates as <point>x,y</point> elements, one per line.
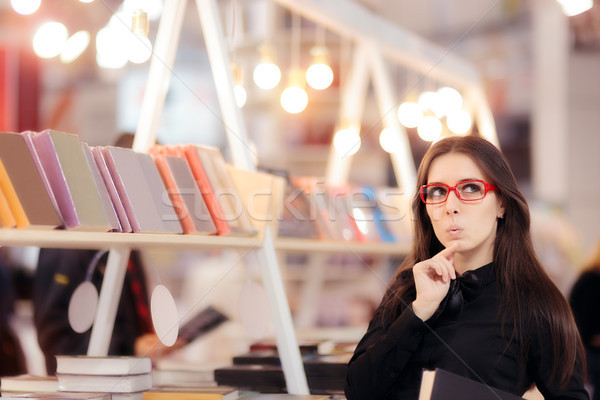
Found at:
<point>471,188</point>
<point>437,191</point>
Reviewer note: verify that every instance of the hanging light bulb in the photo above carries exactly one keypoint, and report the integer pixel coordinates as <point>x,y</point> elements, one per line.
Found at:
<point>575,7</point>
<point>266,74</point>
<point>459,122</point>
<point>238,85</point>
<point>410,114</point>
<point>25,7</point>
<point>110,53</point>
<point>430,129</point>
<point>74,46</point>
<point>389,140</point>
<point>430,101</point>
<point>319,75</point>
<point>49,40</point>
<point>346,142</point>
<point>449,100</point>
<point>294,98</point>
<point>140,48</point>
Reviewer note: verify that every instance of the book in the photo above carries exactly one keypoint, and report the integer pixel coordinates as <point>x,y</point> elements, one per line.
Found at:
<point>111,189</point>
<point>282,396</point>
<point>56,396</point>
<point>185,195</point>
<point>220,194</point>
<point>440,384</point>
<point>35,204</point>
<point>133,189</point>
<point>109,207</point>
<point>175,372</point>
<point>71,181</point>
<point>7,219</point>
<point>104,383</point>
<point>192,393</point>
<point>102,365</point>
<point>164,205</point>
<point>203,322</point>
<point>29,383</point>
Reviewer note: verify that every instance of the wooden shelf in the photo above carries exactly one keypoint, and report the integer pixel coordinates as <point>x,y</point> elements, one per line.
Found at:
<point>99,240</point>
<point>311,246</point>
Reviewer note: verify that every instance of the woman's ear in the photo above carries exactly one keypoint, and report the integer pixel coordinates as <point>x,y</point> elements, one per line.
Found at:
<point>501,209</point>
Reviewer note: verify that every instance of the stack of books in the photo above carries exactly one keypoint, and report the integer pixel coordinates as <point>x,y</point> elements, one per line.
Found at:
<point>124,377</point>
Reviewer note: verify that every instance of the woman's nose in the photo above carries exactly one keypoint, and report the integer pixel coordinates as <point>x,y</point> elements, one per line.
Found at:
<point>452,203</point>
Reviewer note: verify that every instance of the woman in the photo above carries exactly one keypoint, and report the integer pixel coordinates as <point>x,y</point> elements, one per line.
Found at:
<point>471,297</point>
<point>585,302</point>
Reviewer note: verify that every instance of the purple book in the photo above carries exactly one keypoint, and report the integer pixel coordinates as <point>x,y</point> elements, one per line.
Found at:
<point>112,190</point>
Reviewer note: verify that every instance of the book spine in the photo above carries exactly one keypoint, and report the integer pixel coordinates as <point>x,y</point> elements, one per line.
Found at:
<point>16,208</point>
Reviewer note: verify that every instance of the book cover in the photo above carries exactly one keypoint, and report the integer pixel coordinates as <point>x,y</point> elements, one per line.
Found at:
<point>28,383</point>
<point>440,384</point>
<point>102,365</point>
<point>71,181</point>
<point>7,219</point>
<point>176,372</point>
<point>35,201</point>
<point>201,323</point>
<point>133,190</point>
<point>104,383</point>
<point>185,195</point>
<point>192,393</point>
<point>111,189</point>
<point>160,194</point>
<point>109,207</point>
<point>27,136</point>
<point>282,396</point>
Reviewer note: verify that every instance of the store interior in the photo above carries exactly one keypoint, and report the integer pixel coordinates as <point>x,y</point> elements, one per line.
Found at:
<point>535,68</point>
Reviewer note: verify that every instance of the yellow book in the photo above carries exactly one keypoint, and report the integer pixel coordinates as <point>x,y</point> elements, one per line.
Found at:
<point>14,204</point>
<point>7,219</point>
<point>192,393</point>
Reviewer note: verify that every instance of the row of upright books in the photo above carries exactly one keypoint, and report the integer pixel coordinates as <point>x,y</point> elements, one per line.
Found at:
<point>51,179</point>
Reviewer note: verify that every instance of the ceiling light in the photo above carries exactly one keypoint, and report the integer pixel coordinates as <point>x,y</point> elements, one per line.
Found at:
<point>50,39</point>
<point>266,74</point>
<point>346,142</point>
<point>319,75</point>
<point>294,98</point>
<point>574,7</point>
<point>25,7</point>
<point>430,129</point>
<point>410,114</point>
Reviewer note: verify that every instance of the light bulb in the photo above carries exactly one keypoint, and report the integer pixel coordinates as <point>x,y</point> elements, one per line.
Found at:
<point>410,114</point>
<point>449,100</point>
<point>50,39</point>
<point>140,48</point>
<point>389,140</point>
<point>294,98</point>
<point>74,46</point>
<point>110,52</point>
<point>25,7</point>
<point>574,7</point>
<point>346,142</point>
<point>266,74</point>
<point>430,101</point>
<point>430,129</point>
<point>240,95</point>
<point>459,122</point>
<point>319,75</point>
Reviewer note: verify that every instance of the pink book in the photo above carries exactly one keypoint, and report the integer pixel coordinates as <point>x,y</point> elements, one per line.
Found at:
<point>111,189</point>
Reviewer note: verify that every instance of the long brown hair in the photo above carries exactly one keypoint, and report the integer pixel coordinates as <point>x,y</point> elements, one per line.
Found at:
<point>529,297</point>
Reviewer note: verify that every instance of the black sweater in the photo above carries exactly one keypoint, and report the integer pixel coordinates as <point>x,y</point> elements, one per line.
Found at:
<point>389,360</point>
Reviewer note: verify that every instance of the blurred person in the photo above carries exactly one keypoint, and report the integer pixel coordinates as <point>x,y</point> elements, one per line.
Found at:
<point>585,302</point>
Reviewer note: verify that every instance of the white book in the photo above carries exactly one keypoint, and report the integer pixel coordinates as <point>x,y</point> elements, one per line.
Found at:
<point>56,396</point>
<point>104,383</point>
<point>103,365</point>
<point>28,383</point>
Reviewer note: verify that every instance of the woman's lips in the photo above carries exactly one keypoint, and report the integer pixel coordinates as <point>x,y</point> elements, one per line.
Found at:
<point>454,230</point>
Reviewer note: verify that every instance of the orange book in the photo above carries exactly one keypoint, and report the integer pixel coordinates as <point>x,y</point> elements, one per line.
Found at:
<point>186,198</point>
<point>7,219</point>
<point>12,200</point>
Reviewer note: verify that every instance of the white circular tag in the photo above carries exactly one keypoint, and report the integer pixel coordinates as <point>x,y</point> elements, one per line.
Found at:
<point>82,307</point>
<point>164,315</point>
<point>254,310</point>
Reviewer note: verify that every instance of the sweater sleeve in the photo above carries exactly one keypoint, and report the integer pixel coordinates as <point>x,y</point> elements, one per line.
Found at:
<point>382,354</point>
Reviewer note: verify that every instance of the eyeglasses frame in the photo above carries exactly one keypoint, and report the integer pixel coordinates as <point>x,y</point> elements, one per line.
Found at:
<point>488,187</point>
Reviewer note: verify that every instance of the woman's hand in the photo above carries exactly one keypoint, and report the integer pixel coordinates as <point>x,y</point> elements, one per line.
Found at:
<point>432,281</point>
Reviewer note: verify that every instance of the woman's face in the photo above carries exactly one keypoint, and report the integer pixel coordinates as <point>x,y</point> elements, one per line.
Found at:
<point>471,224</point>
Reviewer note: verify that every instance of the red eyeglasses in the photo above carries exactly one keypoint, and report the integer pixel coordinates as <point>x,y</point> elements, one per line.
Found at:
<point>469,190</point>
